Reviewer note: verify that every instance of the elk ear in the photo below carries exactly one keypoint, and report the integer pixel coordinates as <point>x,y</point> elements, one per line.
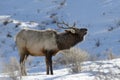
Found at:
<point>70,31</point>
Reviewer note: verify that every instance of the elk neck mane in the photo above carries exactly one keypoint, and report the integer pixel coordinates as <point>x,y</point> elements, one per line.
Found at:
<point>66,40</point>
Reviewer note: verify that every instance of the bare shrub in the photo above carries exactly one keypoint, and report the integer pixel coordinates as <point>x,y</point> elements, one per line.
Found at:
<point>114,27</point>
<point>94,57</point>
<point>110,55</point>
<point>72,58</point>
<point>98,43</point>
<point>118,23</point>
<point>111,28</point>
<point>7,21</point>
<point>12,68</point>
<point>110,75</point>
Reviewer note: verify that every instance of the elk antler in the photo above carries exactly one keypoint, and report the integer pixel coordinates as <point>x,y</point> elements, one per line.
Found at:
<point>74,24</point>
<point>63,23</point>
<point>60,25</point>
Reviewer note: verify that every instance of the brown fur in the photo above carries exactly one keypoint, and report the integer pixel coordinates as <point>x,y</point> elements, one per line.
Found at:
<point>46,43</point>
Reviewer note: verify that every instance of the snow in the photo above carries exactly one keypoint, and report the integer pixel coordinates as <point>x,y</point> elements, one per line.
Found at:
<point>100,17</point>
<point>108,69</point>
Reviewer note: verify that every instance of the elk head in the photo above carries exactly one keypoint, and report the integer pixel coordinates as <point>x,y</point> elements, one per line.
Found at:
<point>77,31</point>
<point>73,29</point>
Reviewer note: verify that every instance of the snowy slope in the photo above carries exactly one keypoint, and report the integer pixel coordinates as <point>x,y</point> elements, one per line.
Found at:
<point>91,70</point>
<point>101,17</point>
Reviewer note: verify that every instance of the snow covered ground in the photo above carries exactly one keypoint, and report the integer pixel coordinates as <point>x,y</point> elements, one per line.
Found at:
<point>91,70</point>
<point>101,17</point>
<point>96,70</point>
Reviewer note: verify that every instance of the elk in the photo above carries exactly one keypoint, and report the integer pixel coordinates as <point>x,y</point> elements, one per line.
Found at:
<point>46,43</point>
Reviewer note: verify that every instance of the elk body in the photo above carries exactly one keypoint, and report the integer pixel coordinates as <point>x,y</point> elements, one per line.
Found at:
<point>46,43</point>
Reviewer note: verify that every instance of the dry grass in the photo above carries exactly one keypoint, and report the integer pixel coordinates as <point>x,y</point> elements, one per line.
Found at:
<point>110,55</point>
<point>72,58</point>
<point>111,75</point>
<point>12,69</point>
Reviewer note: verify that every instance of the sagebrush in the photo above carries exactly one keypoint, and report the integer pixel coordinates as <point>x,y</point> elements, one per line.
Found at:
<point>11,69</point>
<point>72,58</point>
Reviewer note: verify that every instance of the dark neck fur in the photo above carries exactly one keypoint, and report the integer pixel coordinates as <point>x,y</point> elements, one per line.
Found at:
<point>66,40</point>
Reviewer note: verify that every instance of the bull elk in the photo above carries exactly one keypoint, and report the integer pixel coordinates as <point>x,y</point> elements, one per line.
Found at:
<point>46,43</point>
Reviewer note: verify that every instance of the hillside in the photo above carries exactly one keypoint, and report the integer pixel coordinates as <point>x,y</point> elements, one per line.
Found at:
<point>100,17</point>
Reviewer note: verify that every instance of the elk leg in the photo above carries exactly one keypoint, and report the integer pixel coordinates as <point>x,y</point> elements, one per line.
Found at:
<point>47,65</point>
<point>22,64</point>
<point>25,58</point>
<point>49,62</point>
<point>51,69</point>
